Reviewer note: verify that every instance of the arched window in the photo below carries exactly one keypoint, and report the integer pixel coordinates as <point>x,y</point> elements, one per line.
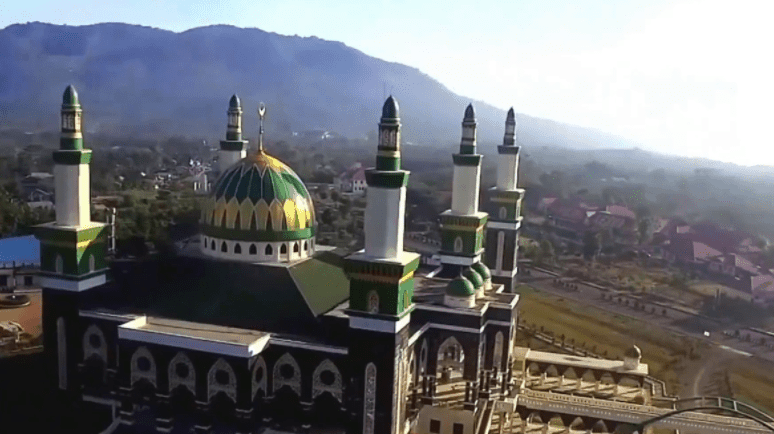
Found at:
<point>223,247</point>
<point>305,245</point>
<point>253,250</point>
<point>92,263</point>
<point>268,222</point>
<point>457,245</point>
<point>284,249</point>
<point>269,250</point>
<point>59,264</point>
<point>373,302</point>
<point>503,212</point>
<point>238,249</point>
<point>295,247</point>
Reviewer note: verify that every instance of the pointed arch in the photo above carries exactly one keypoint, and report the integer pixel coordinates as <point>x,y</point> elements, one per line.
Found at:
<point>369,399</point>
<point>332,385</point>
<point>284,249</point>
<point>373,301</point>
<point>237,248</point>
<point>59,264</point>
<point>423,358</point>
<point>221,378</point>
<point>458,245</point>
<point>212,244</point>
<point>503,213</point>
<point>268,251</point>
<point>253,250</point>
<point>295,247</point>
<point>92,263</point>
<point>497,353</point>
<point>143,367</point>
<point>181,372</point>
<point>259,375</point>
<point>94,343</point>
<point>61,347</point>
<point>291,377</point>
<point>500,250</point>
<point>223,247</point>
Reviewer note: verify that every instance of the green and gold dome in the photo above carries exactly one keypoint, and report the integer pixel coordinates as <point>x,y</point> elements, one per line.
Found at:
<point>259,199</point>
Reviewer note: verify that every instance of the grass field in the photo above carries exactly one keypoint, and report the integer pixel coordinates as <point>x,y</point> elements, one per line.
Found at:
<point>603,332</point>
<point>752,380</point>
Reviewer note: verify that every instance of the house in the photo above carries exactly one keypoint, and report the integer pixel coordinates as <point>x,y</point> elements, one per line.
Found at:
<point>763,290</point>
<point>665,228</point>
<point>351,180</point>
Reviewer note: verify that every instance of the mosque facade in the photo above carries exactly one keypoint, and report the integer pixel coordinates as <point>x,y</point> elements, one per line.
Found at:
<point>251,324</point>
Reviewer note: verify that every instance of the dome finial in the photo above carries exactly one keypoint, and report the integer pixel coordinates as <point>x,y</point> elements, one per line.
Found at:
<point>470,113</point>
<point>235,102</point>
<point>70,97</point>
<point>261,114</point>
<point>390,109</point>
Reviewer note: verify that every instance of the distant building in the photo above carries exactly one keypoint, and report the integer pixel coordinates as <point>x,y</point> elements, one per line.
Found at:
<point>351,180</point>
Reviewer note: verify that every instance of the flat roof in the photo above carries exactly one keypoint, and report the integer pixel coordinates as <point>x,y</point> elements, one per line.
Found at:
<point>584,362</point>
<point>195,336</point>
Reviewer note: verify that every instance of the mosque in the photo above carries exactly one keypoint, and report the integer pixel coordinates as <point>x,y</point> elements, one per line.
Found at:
<point>252,324</point>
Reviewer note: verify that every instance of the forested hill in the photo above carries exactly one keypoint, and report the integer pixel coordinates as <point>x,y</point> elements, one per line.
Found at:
<point>149,82</point>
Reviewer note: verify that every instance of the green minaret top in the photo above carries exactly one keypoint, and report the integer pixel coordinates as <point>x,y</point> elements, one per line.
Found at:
<point>470,113</point>
<point>71,138</point>
<point>388,151</point>
<point>235,102</point>
<point>511,116</point>
<point>70,97</point>
<point>390,109</point>
<point>510,133</point>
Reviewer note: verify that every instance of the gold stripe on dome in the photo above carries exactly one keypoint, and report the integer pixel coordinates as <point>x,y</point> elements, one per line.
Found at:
<point>245,214</point>
<point>220,209</point>
<point>300,214</point>
<point>290,213</point>
<point>231,211</point>
<point>277,214</point>
<point>261,212</point>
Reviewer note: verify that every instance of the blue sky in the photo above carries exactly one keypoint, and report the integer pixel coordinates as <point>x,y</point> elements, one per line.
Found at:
<point>682,76</point>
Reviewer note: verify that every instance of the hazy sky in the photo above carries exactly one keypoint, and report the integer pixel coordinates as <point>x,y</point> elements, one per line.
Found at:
<point>680,76</point>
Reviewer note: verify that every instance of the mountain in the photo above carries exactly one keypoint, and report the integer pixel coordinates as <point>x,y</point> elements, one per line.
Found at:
<point>145,82</point>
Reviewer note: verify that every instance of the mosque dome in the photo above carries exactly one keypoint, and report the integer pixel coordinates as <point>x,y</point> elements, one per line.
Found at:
<point>259,200</point>
<point>474,278</point>
<point>390,108</point>
<point>482,270</point>
<point>460,287</point>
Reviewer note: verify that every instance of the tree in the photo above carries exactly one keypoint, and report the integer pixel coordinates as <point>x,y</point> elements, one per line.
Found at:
<point>591,245</point>
<point>547,251</point>
<point>643,230</point>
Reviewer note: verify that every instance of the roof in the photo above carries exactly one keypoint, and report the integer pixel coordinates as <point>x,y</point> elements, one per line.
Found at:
<point>356,172</point>
<point>70,96</point>
<point>567,212</point>
<point>272,298</point>
<point>742,263</point>
<point>20,249</point>
<point>390,108</point>
<point>605,220</point>
<point>470,113</point>
<point>621,211</point>
<point>584,362</point>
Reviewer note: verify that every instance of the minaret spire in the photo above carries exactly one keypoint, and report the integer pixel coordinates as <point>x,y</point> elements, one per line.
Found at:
<point>504,208</point>
<point>233,148</point>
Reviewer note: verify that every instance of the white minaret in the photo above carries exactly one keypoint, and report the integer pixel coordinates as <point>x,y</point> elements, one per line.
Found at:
<point>467,174</point>
<point>386,203</point>
<point>508,163</point>
<point>233,149</point>
<point>71,169</point>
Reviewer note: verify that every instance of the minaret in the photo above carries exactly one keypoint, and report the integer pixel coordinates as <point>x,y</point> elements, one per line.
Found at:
<point>72,249</point>
<point>381,291</point>
<point>504,207</point>
<point>462,227</point>
<point>234,148</point>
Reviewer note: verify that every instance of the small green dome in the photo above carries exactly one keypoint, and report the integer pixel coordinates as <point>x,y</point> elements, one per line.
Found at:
<point>474,278</point>
<point>235,102</point>
<point>470,114</point>
<point>460,287</point>
<point>390,108</point>
<point>482,270</point>
<point>70,96</point>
